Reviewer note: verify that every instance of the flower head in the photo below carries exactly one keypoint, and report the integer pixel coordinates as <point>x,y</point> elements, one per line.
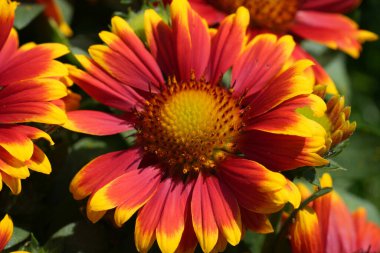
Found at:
<point>328,226</point>
<point>30,91</point>
<point>319,21</point>
<point>205,154</point>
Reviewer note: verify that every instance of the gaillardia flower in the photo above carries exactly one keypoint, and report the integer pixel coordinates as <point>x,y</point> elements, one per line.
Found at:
<point>207,155</point>
<point>319,21</point>
<point>30,91</point>
<point>327,226</point>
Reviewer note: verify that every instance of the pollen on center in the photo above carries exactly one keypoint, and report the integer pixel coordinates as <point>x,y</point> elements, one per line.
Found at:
<point>190,126</point>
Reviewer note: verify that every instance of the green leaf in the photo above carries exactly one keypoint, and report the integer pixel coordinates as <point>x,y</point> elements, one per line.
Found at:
<point>19,235</point>
<point>26,13</point>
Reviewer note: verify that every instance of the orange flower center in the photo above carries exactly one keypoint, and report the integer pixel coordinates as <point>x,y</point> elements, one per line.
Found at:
<point>190,126</point>
<point>275,15</point>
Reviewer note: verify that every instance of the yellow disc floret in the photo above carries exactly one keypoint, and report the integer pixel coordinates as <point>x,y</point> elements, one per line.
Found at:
<point>190,126</point>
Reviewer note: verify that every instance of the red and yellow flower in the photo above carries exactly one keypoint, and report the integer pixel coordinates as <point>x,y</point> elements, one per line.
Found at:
<point>30,91</point>
<point>208,155</point>
<point>327,226</point>
<point>319,21</point>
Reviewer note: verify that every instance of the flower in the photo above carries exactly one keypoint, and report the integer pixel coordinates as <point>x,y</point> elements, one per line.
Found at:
<point>319,21</point>
<point>328,226</point>
<point>30,91</point>
<point>208,155</point>
<point>53,11</point>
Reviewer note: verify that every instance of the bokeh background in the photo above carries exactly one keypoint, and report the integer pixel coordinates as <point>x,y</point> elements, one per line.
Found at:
<point>46,217</point>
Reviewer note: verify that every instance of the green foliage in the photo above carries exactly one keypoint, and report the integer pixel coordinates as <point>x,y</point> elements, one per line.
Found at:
<point>26,13</point>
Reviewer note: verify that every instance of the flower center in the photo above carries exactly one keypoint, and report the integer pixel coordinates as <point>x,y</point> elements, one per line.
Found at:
<point>275,15</point>
<point>190,126</point>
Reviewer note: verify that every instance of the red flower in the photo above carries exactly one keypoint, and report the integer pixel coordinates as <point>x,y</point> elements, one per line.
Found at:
<point>327,226</point>
<point>205,163</point>
<point>30,91</point>
<point>320,21</point>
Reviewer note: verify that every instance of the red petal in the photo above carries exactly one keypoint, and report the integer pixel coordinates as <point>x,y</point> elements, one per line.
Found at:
<point>281,152</point>
<point>161,42</point>
<point>320,75</point>
<point>149,217</point>
<point>96,123</point>
<point>192,40</point>
<point>6,228</point>
<point>207,11</point>
<point>6,19</point>
<point>304,234</point>
<point>169,231</point>
<point>227,44</point>
<point>103,87</point>
<point>103,170</point>
<point>341,6</point>
<point>262,60</point>
<point>226,210</point>
<point>257,188</point>
<point>129,191</point>
<point>333,30</point>
<point>204,223</point>
<point>256,222</point>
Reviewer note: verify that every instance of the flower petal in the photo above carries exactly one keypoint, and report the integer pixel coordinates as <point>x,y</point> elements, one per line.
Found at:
<point>39,161</point>
<point>287,118</point>
<point>124,41</point>
<point>288,84</point>
<point>169,231</point>
<point>256,222</point>
<point>257,188</point>
<point>96,123</point>
<point>282,152</point>
<point>320,75</point>
<point>161,42</point>
<point>261,60</point>
<point>35,62</point>
<point>103,170</point>
<point>340,6</point>
<point>207,11</point>
<point>333,30</point>
<point>192,40</point>
<point>6,224</point>
<point>189,240</point>
<point>15,143</point>
<point>130,190</point>
<point>227,44</point>
<point>103,87</point>
<point>226,210</point>
<point>204,223</point>
<point>7,9</point>
<point>305,234</point>
<point>13,183</point>
<point>149,217</point>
